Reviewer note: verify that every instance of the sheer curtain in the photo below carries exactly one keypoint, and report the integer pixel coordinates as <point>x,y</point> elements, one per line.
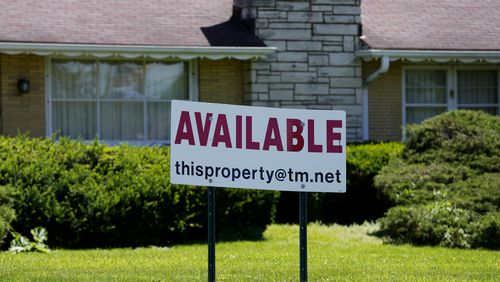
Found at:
<point>121,100</point>
<point>73,99</point>
<point>478,89</point>
<point>116,100</point>
<point>425,94</point>
<point>164,82</point>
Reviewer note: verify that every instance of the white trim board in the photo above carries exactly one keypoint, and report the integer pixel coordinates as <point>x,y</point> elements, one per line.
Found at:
<point>135,51</point>
<point>439,56</point>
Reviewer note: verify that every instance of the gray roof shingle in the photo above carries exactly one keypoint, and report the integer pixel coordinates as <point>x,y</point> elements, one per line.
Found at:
<point>122,22</point>
<point>431,24</point>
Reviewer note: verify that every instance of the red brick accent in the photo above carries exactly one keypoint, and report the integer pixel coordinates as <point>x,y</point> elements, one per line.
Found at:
<point>221,81</point>
<point>26,112</point>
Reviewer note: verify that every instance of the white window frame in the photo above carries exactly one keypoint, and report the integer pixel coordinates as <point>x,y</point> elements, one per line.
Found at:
<point>451,86</point>
<point>193,93</point>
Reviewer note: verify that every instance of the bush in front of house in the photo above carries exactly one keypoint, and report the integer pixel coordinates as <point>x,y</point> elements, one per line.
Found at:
<point>93,195</point>
<point>464,137</point>
<point>445,189</point>
<point>402,183</point>
<point>436,223</point>
<point>6,211</point>
<point>487,234</point>
<point>361,201</point>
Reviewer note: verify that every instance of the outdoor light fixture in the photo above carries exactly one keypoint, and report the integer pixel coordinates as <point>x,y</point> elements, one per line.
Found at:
<point>23,85</point>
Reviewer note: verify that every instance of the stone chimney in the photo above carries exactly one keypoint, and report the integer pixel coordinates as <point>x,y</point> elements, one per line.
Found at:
<point>314,66</point>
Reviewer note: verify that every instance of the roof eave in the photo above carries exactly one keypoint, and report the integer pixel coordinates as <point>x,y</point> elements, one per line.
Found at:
<point>135,51</point>
<point>440,56</point>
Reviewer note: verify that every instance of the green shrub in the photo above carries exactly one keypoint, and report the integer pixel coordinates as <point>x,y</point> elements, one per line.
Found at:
<point>480,193</point>
<point>360,202</point>
<point>446,184</point>
<point>6,211</point>
<point>409,184</point>
<point>441,223</point>
<point>366,160</point>
<point>438,223</point>
<point>244,214</point>
<point>463,136</point>
<point>92,195</point>
<point>488,232</point>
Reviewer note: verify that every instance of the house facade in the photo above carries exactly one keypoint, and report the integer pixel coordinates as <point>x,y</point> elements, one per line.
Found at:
<point>421,58</point>
<point>109,70</point>
<point>89,69</point>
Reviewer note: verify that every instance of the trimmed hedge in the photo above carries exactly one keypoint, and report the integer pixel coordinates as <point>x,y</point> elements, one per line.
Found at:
<point>456,137</point>
<point>361,201</point>
<point>6,211</point>
<point>93,195</point>
<point>436,223</point>
<point>446,186</point>
<point>401,183</point>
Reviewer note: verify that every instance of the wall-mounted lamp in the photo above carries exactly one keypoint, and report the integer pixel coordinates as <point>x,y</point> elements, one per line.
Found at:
<point>23,85</point>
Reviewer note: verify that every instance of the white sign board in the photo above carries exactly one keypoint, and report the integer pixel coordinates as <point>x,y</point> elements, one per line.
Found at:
<point>254,147</point>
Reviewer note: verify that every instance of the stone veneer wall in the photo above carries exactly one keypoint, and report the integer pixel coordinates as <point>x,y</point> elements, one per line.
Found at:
<point>315,66</point>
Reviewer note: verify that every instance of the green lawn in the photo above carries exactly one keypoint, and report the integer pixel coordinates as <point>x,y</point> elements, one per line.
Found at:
<point>336,253</point>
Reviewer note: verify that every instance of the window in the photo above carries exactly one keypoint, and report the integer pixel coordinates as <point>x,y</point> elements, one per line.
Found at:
<point>430,91</point>
<point>478,90</point>
<point>426,94</point>
<point>115,100</point>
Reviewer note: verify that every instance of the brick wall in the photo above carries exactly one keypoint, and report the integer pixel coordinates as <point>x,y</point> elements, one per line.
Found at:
<point>385,102</point>
<point>221,81</point>
<point>315,66</point>
<point>26,112</point>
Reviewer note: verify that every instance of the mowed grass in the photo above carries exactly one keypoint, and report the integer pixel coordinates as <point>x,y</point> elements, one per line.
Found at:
<point>336,253</point>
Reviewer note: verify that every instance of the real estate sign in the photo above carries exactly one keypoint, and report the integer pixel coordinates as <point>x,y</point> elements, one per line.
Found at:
<point>255,147</point>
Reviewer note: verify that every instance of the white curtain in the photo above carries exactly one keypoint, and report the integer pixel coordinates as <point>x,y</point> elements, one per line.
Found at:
<point>73,99</point>
<point>478,89</point>
<point>419,114</point>
<point>425,94</point>
<point>121,100</point>
<point>133,103</point>
<point>164,82</point>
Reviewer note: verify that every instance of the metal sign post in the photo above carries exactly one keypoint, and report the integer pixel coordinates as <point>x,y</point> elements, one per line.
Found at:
<point>303,235</point>
<point>211,234</point>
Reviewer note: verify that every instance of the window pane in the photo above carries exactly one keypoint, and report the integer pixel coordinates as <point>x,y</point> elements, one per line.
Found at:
<point>121,80</point>
<point>426,95</point>
<point>426,86</point>
<point>477,87</point>
<point>75,119</point>
<point>122,121</point>
<point>159,120</point>
<point>425,78</point>
<point>418,114</point>
<point>73,79</point>
<point>166,80</point>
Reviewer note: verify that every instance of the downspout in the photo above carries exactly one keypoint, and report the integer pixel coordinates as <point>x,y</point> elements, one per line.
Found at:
<point>384,67</point>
